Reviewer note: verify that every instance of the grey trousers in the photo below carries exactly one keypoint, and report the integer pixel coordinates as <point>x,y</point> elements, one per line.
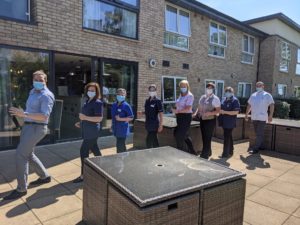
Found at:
<point>259,129</point>
<point>31,134</point>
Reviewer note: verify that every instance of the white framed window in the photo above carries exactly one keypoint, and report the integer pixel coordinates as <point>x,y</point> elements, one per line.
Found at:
<point>281,90</point>
<point>177,27</point>
<point>15,9</point>
<point>244,89</point>
<point>217,39</point>
<point>297,91</point>
<point>298,62</point>
<point>219,89</point>
<point>170,91</point>
<point>248,49</point>
<point>285,57</point>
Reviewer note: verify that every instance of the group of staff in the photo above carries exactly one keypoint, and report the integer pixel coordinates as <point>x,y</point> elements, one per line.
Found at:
<point>41,100</point>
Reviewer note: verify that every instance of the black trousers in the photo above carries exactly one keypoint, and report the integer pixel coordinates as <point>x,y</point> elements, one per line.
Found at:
<point>121,146</point>
<point>207,129</point>
<point>228,142</point>
<point>151,140</point>
<point>86,146</point>
<point>182,132</point>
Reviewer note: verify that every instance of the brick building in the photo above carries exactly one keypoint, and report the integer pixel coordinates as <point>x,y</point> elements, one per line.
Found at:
<point>280,54</point>
<point>118,43</point>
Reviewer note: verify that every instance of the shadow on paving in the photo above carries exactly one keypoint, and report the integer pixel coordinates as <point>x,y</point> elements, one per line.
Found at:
<point>255,161</point>
<point>50,155</point>
<point>31,202</point>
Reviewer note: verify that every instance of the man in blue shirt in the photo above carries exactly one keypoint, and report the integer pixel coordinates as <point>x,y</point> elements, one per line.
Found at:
<point>38,108</point>
<point>121,114</point>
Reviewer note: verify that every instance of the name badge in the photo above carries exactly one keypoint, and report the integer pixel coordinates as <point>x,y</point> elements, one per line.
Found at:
<point>152,106</point>
<point>119,110</point>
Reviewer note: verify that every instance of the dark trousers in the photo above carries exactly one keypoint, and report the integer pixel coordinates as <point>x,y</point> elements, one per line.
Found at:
<point>207,129</point>
<point>228,142</point>
<point>259,129</point>
<point>86,146</point>
<point>182,132</point>
<point>151,140</point>
<point>121,146</point>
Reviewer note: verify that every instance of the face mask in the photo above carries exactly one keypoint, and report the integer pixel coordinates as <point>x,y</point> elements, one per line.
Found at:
<point>259,89</point>
<point>183,90</point>
<point>228,94</point>
<point>152,93</point>
<point>120,98</point>
<point>38,85</point>
<point>209,91</point>
<point>91,94</point>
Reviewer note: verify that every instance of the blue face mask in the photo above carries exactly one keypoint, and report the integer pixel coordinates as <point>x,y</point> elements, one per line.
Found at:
<point>120,98</point>
<point>228,94</point>
<point>259,89</point>
<point>183,90</point>
<point>38,85</point>
<point>91,94</point>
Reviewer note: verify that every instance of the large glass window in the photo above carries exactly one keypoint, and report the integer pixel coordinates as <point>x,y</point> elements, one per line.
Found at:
<point>281,90</point>
<point>177,27</point>
<point>285,57</point>
<point>244,89</point>
<point>15,9</point>
<point>130,2</point>
<point>170,92</point>
<point>297,91</point>
<point>248,49</point>
<point>109,18</point>
<point>117,75</point>
<point>219,89</point>
<point>217,39</point>
<point>16,69</point>
<point>298,62</point>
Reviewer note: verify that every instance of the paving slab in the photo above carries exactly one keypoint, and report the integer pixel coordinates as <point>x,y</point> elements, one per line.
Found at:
<point>69,219</point>
<point>292,221</point>
<point>284,187</point>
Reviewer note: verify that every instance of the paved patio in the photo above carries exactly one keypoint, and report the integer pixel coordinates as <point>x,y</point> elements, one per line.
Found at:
<point>273,186</point>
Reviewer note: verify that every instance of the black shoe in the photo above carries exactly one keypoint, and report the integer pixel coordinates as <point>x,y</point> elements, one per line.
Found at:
<point>40,181</point>
<point>15,195</point>
<point>78,180</point>
<point>253,151</point>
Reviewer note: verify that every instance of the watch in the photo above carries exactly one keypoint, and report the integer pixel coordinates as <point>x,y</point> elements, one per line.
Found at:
<point>25,114</point>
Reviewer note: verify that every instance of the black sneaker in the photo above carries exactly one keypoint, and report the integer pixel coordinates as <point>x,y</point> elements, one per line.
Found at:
<point>40,181</point>
<point>15,195</point>
<point>78,180</point>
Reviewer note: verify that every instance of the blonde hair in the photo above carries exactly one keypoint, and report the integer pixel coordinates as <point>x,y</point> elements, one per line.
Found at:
<point>186,83</point>
<point>40,73</point>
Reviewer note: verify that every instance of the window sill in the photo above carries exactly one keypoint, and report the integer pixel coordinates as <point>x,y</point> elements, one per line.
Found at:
<point>247,63</point>
<point>216,56</point>
<point>18,21</point>
<point>109,35</point>
<point>283,71</point>
<point>176,48</point>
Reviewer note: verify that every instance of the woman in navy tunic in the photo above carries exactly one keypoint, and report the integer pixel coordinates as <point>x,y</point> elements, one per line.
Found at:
<point>230,107</point>
<point>90,118</point>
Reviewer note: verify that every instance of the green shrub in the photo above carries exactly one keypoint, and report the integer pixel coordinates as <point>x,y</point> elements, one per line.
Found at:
<point>282,109</point>
<point>294,107</point>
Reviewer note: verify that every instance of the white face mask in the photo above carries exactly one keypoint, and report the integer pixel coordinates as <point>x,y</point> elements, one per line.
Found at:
<point>152,93</point>
<point>209,91</point>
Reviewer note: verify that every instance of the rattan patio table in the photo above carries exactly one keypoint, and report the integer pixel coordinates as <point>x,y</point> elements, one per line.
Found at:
<point>161,186</point>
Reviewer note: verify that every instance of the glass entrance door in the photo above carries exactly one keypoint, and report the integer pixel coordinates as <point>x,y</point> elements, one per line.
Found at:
<point>117,75</point>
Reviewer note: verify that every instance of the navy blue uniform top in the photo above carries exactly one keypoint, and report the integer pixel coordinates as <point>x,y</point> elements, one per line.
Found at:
<point>152,108</point>
<point>231,104</point>
<point>120,128</point>
<point>91,130</point>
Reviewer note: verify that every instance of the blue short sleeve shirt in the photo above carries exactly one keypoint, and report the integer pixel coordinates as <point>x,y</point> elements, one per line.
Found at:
<point>124,110</point>
<point>90,130</point>
<point>228,121</point>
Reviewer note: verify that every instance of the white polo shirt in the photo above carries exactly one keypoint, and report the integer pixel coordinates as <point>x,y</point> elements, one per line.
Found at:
<point>260,102</point>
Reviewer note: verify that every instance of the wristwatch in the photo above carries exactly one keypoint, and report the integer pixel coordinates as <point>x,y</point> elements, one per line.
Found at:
<point>25,114</point>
